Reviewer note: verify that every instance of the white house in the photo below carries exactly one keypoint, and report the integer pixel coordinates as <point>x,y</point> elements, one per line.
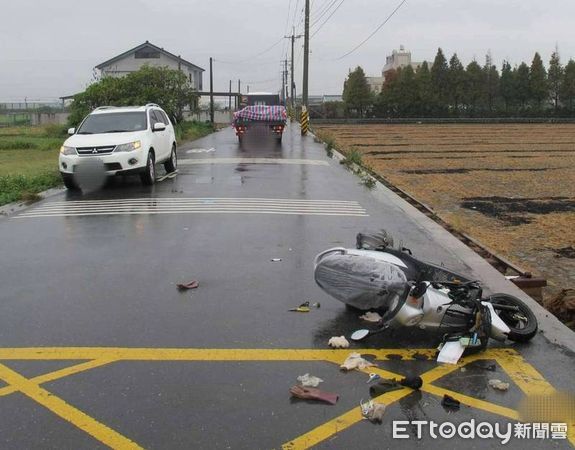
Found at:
<point>151,55</point>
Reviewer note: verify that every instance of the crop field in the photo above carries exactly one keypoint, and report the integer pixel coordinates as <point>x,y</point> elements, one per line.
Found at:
<point>510,186</point>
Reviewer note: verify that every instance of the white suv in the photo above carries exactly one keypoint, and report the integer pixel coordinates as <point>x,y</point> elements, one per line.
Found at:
<point>126,140</point>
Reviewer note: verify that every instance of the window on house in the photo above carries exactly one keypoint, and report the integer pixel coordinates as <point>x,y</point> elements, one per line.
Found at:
<point>147,53</point>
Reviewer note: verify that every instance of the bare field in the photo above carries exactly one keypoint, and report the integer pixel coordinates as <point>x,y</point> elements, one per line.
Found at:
<point>510,186</point>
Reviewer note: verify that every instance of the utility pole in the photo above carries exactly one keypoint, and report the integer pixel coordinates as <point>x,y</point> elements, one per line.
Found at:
<point>293,37</point>
<point>239,97</point>
<point>284,81</point>
<point>211,92</point>
<point>284,87</point>
<point>304,119</point>
<point>230,97</point>
<point>306,57</point>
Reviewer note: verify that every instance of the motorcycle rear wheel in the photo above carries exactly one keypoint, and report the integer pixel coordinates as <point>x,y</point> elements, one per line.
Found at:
<point>523,324</point>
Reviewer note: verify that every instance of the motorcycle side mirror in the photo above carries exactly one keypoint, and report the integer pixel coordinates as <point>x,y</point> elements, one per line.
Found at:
<point>359,335</point>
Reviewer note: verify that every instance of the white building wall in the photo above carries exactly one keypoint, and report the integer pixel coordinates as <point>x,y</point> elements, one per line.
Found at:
<point>130,64</point>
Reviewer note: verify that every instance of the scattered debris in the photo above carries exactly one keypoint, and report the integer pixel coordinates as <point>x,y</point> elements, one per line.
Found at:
<point>276,259</point>
<point>185,286</point>
<point>338,342</point>
<point>373,377</point>
<point>313,394</point>
<point>463,369</point>
<point>355,361</point>
<point>450,352</point>
<point>412,382</point>
<point>371,316</point>
<point>308,380</point>
<point>449,403</point>
<point>384,386</point>
<point>304,307</point>
<point>372,411</point>
<point>499,385</point>
<point>562,306</point>
<point>565,252</point>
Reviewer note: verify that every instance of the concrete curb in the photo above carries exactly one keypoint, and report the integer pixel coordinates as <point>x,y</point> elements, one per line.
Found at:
<point>12,208</point>
<point>551,327</point>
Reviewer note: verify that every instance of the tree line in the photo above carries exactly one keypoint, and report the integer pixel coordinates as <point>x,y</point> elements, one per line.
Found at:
<point>448,89</point>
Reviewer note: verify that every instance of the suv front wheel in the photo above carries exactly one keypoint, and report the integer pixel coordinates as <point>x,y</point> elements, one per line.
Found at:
<point>148,176</point>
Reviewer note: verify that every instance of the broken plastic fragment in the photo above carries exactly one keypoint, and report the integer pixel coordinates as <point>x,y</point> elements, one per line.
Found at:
<point>338,342</point>
<point>276,259</point>
<point>372,411</point>
<point>499,385</point>
<point>355,361</point>
<point>304,307</point>
<point>185,286</point>
<point>373,377</point>
<point>371,317</point>
<point>308,380</point>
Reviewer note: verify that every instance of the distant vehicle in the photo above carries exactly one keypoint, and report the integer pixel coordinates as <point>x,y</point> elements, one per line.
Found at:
<point>125,140</point>
<point>262,113</point>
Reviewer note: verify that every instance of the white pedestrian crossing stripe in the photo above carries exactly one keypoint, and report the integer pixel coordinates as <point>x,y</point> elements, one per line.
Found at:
<point>280,161</point>
<point>153,206</point>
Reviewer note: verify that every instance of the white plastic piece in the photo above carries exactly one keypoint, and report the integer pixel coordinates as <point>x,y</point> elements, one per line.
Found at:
<point>338,342</point>
<point>355,361</point>
<point>371,316</point>
<point>499,385</point>
<point>308,380</point>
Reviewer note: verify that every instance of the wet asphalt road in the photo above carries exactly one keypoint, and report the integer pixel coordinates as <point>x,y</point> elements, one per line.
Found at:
<point>74,275</point>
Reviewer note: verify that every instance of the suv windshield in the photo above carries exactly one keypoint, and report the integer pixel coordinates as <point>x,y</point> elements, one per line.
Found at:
<point>114,123</point>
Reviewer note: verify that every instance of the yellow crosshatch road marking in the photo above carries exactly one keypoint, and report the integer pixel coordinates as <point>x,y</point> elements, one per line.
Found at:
<point>525,376</point>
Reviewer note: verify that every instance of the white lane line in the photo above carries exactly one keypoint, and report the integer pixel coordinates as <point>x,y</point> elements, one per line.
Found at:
<point>183,204</point>
<point>191,208</point>
<point>201,150</point>
<point>293,161</point>
<point>258,211</point>
<point>207,200</point>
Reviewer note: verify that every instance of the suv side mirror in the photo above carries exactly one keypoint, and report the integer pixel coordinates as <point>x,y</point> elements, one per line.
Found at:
<point>71,131</point>
<point>159,126</point>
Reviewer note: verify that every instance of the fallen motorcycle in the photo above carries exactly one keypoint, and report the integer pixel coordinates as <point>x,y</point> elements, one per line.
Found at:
<point>411,292</point>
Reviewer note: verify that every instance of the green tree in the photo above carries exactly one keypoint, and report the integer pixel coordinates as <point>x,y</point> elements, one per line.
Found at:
<point>491,78</point>
<point>474,93</point>
<point>440,82</point>
<point>168,88</point>
<point>507,86</point>
<point>388,101</point>
<point>555,78</point>
<point>538,81</point>
<point>456,78</point>
<point>522,85</point>
<point>356,93</point>
<point>424,87</point>
<point>408,92</point>
<point>568,86</point>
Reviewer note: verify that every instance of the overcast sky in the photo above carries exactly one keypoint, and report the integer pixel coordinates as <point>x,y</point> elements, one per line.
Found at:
<point>49,48</point>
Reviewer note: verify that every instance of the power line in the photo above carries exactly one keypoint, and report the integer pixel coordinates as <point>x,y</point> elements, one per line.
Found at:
<point>324,12</point>
<point>327,20</point>
<point>373,33</point>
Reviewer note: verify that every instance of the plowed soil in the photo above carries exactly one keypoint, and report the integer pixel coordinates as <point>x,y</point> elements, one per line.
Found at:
<point>510,186</point>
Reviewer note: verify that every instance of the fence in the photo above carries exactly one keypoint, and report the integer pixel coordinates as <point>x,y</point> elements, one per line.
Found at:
<point>15,119</point>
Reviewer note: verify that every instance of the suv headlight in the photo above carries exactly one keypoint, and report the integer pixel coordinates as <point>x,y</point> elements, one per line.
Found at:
<point>128,147</point>
<point>67,150</point>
